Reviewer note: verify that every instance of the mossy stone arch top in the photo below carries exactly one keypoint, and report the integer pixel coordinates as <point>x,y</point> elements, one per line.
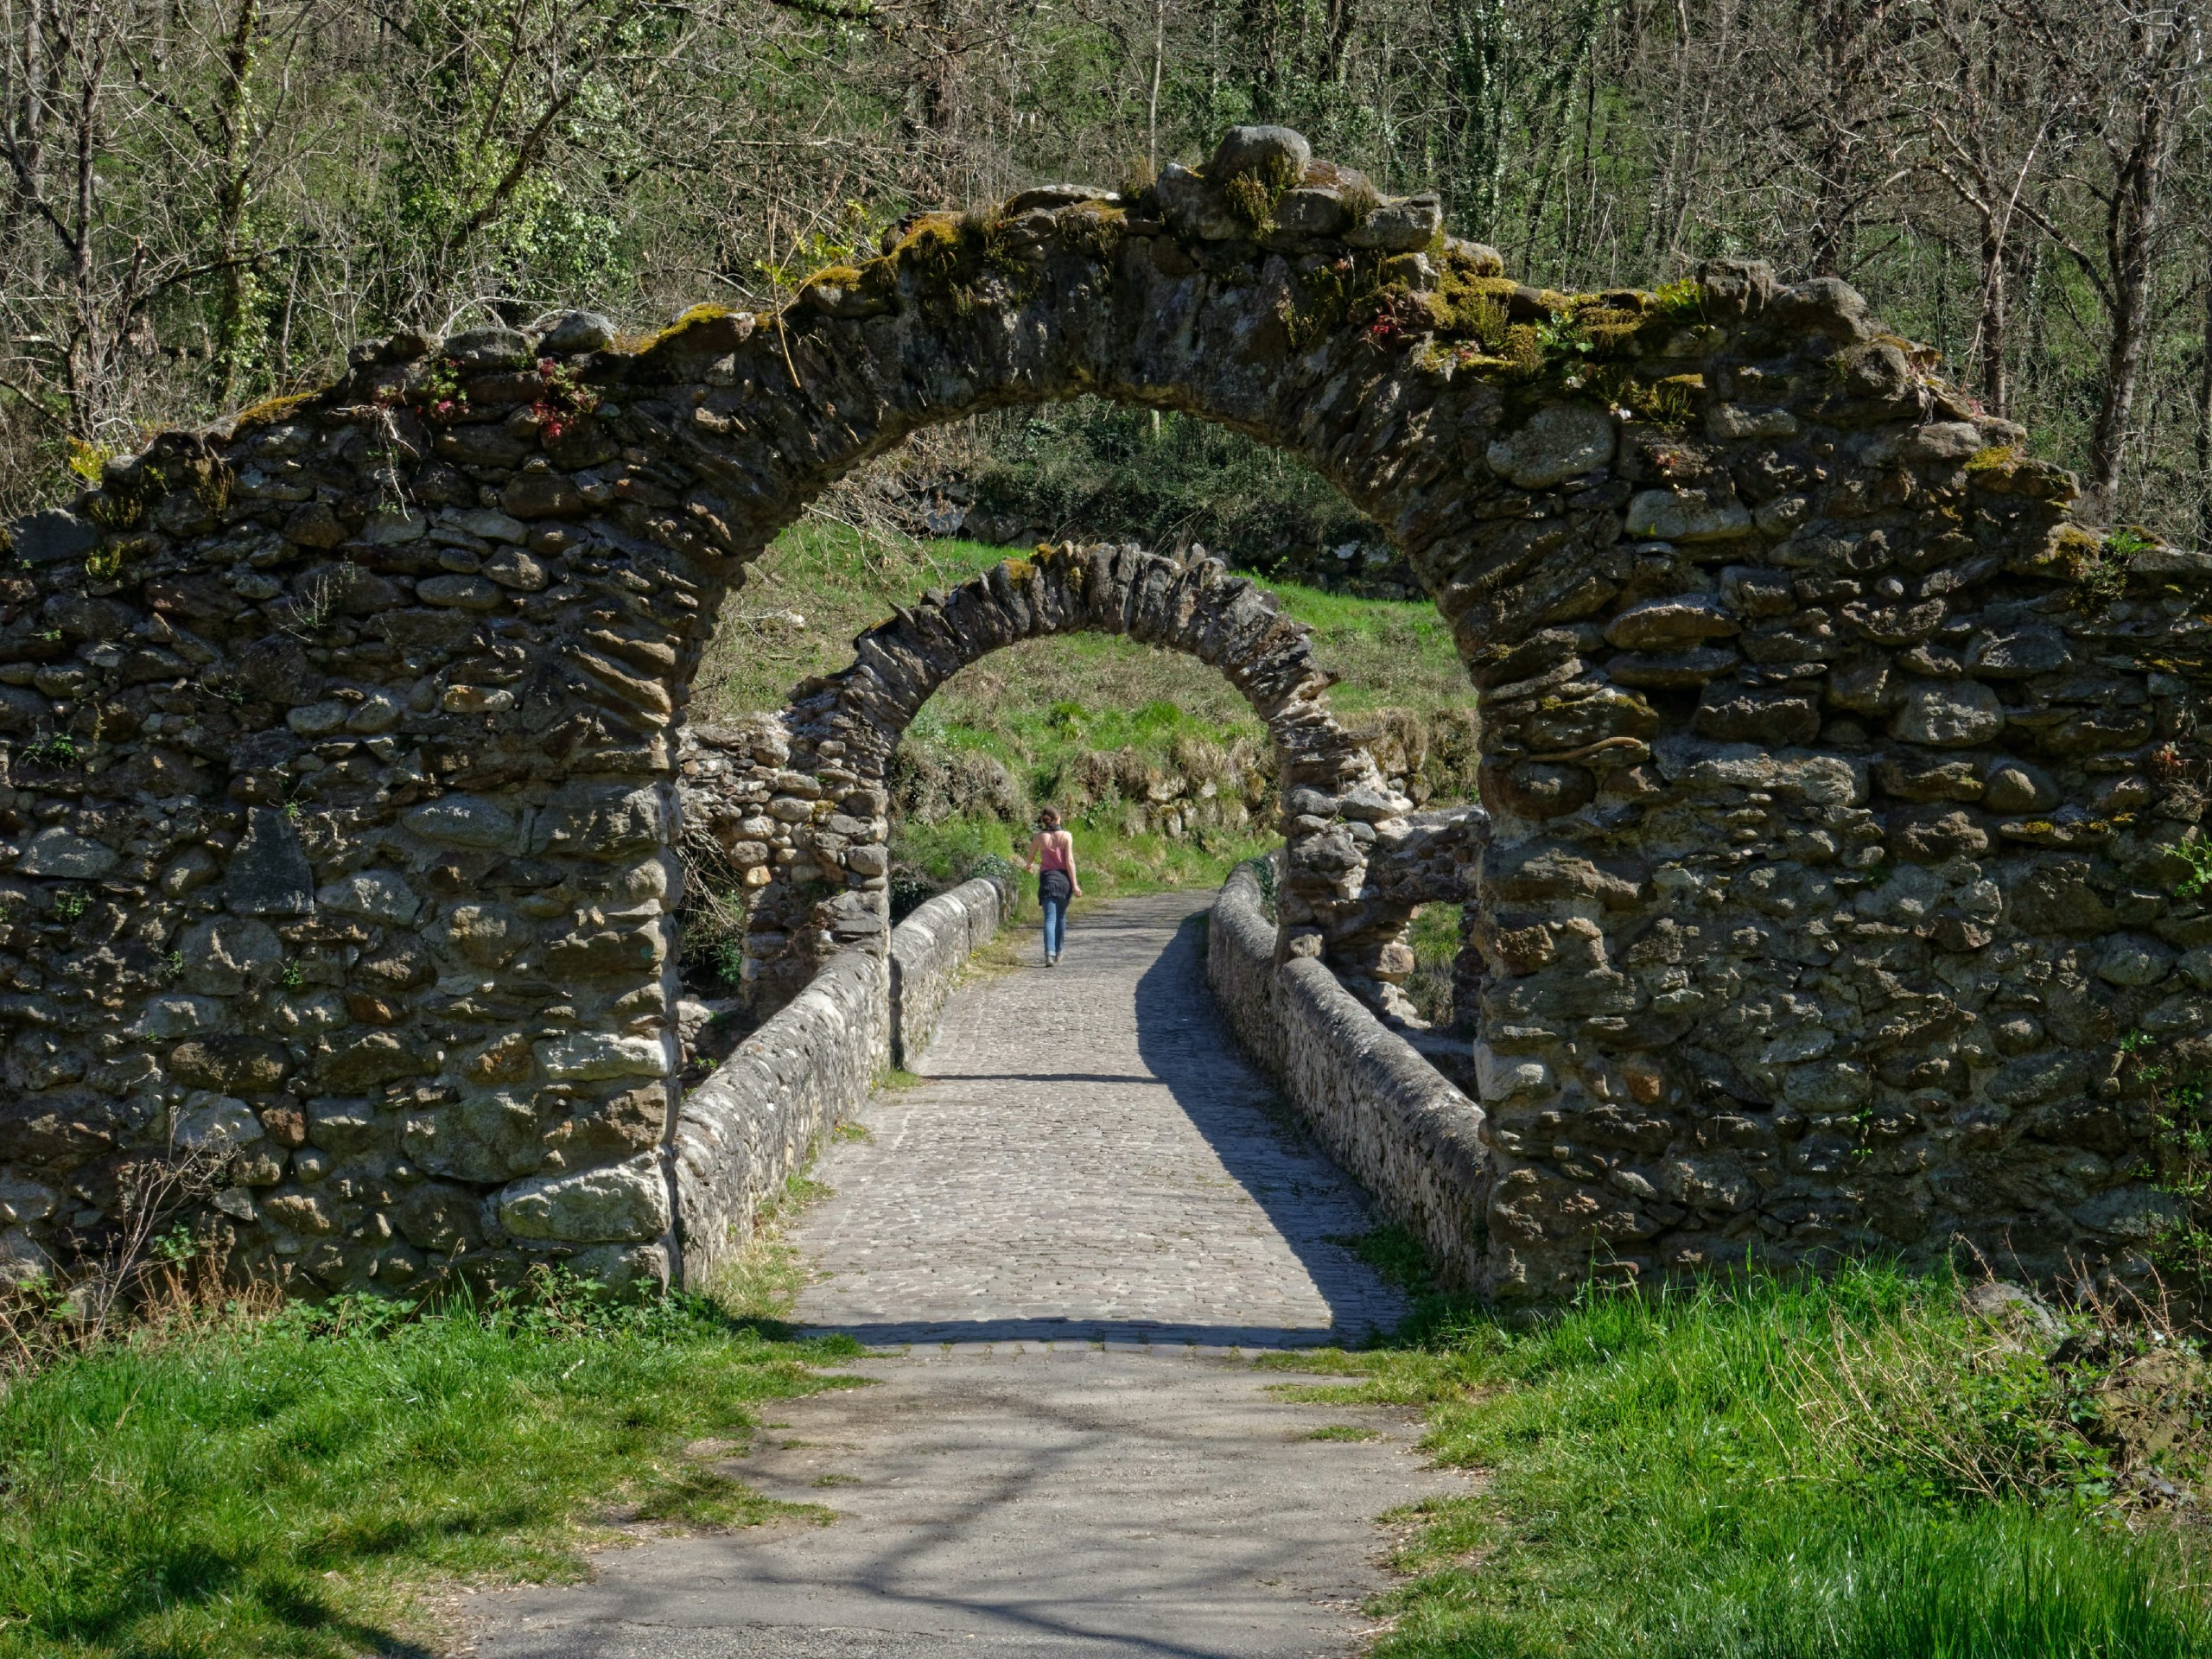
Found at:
<point>1842,787</point>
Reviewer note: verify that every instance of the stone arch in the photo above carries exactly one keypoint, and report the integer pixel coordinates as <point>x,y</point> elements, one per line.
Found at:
<point>802,799</point>
<point>1845,791</point>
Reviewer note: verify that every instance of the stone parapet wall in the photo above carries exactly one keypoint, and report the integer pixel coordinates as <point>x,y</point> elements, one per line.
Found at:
<point>1384,1113</point>
<point>742,1133</point>
<point>928,951</point>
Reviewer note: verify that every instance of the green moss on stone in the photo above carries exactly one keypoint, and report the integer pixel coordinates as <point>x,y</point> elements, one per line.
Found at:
<point>1466,306</point>
<point>698,316</point>
<point>1252,196</point>
<point>268,411</point>
<point>1094,228</point>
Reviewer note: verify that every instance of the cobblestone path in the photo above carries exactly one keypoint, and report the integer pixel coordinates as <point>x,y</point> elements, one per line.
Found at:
<point>1090,1156</point>
<point>1069,1244</point>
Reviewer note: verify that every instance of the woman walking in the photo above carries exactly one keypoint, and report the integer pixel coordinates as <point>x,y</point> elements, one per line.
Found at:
<point>1051,855</point>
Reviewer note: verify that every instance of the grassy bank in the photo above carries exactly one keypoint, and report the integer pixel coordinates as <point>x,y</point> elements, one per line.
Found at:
<point>1788,1469</point>
<point>1097,469</point>
<point>1111,864</point>
<point>282,1482</point>
<point>822,584</point>
<point>1434,936</point>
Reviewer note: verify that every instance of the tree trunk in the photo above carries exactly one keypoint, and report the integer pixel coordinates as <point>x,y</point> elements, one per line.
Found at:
<point>2133,226</point>
<point>231,121</point>
<point>28,117</point>
<point>1996,317</point>
<point>2204,417</point>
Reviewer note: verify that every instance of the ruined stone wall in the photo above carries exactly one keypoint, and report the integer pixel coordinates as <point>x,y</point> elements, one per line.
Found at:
<point>1839,829</point>
<point>742,1134</point>
<point>1387,1116</point>
<point>1841,787</point>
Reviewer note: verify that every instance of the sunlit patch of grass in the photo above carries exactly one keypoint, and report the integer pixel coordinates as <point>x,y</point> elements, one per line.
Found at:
<point>278,1483</point>
<point>703,1500</point>
<point>1725,1470</point>
<point>1113,863</point>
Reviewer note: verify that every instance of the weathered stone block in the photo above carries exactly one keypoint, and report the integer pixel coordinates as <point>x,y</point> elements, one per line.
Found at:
<point>223,956</point>
<point>1558,443</point>
<point>268,874</point>
<point>463,821</point>
<point>58,853</point>
<point>375,895</point>
<point>1948,713</point>
<point>491,1136</point>
<point>369,1061</point>
<point>591,1056</point>
<point>622,1202</point>
<point>1686,516</point>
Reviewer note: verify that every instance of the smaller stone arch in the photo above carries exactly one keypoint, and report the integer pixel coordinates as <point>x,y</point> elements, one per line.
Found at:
<point>799,803</point>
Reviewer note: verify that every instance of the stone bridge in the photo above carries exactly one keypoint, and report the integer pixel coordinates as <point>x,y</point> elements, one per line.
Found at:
<point>801,800</point>
<point>1845,792</point>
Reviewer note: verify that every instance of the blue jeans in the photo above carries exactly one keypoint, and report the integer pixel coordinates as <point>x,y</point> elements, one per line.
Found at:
<point>1056,924</point>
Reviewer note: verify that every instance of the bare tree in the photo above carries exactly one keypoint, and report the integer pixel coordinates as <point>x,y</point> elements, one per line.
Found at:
<point>1980,115</point>
<point>2132,79</point>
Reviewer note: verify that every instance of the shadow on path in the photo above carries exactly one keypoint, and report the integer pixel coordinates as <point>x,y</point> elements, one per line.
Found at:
<point>1182,1039</point>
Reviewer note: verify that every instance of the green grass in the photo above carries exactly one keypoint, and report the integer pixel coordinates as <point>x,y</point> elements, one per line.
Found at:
<point>1097,469</point>
<point>278,1484</point>
<point>1387,655</point>
<point>1775,1469</point>
<point>1113,863</point>
<point>1395,1253</point>
<point>762,1280</point>
<point>1434,938</point>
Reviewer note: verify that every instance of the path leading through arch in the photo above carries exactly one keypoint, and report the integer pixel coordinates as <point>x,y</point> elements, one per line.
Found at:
<point>1068,1243</point>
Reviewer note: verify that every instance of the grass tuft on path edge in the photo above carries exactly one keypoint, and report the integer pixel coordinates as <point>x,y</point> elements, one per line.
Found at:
<point>1775,1467</point>
<point>230,1484</point>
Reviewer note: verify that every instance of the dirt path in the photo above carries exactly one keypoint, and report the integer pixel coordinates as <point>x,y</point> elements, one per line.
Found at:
<point>1071,1239</point>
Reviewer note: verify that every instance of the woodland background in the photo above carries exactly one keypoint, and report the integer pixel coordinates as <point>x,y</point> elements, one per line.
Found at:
<point>203,202</point>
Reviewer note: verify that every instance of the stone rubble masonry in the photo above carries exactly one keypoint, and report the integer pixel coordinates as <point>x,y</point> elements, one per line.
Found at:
<point>928,951</point>
<point>745,1130</point>
<point>1386,1115</point>
<point>1836,777</point>
<point>797,801</point>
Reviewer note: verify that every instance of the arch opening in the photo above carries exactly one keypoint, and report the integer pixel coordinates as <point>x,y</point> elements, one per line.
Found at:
<point>803,800</point>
